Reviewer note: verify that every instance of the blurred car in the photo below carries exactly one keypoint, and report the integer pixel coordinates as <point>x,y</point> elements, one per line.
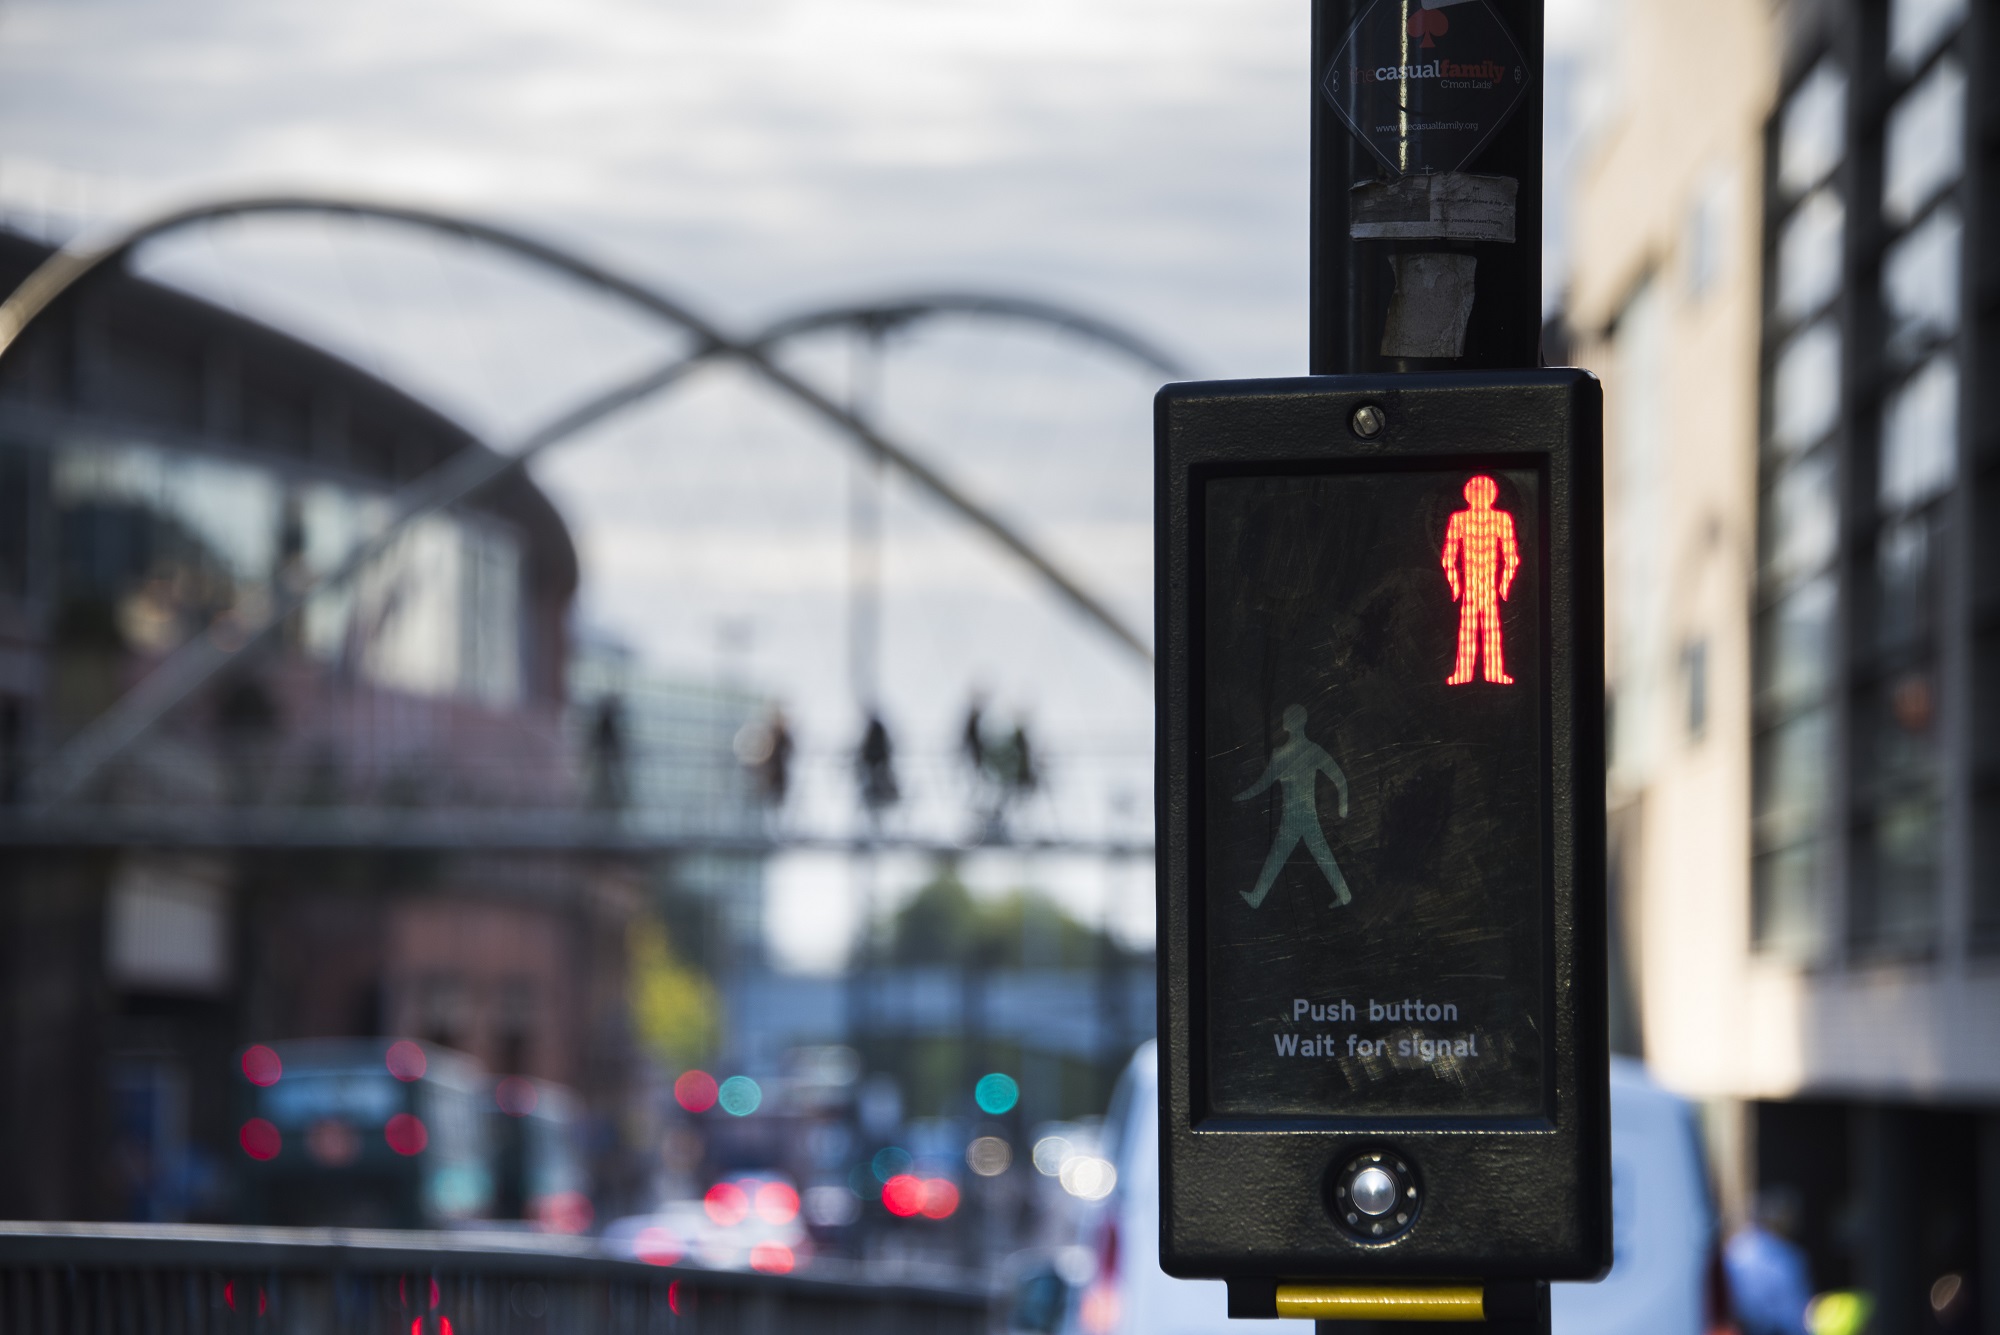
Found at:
<point>1664,1277</point>
<point>749,1221</point>
<point>362,1133</point>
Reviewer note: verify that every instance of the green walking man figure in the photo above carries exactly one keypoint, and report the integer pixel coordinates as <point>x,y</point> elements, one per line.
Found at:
<point>1295,767</point>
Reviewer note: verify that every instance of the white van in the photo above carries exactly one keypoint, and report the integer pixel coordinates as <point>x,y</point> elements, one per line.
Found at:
<point>1664,1276</point>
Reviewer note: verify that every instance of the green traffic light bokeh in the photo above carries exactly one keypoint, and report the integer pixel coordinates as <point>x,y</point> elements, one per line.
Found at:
<point>996,1093</point>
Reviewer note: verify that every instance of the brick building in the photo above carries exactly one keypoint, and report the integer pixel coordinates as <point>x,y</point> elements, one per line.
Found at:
<point>303,848</point>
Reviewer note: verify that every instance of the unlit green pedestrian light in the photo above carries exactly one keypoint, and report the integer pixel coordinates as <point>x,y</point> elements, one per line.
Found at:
<point>739,1096</point>
<point>996,1093</point>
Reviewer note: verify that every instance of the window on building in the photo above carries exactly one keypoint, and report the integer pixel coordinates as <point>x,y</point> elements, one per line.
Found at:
<point>1920,285</point>
<point>1707,231</point>
<point>1642,650</point>
<point>1860,490</point>
<point>1694,674</point>
<point>167,927</point>
<point>1899,778</point>
<point>1916,27</point>
<point>1812,134</point>
<point>18,511</point>
<point>1799,521</point>
<point>1924,143</point>
<point>1809,254</point>
<point>157,544</point>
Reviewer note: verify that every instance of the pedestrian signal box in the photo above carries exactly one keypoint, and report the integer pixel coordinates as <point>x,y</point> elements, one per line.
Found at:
<point>1381,788</point>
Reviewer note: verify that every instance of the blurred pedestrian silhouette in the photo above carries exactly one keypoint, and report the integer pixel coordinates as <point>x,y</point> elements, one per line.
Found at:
<point>1770,1282</point>
<point>765,749</point>
<point>1004,770</point>
<point>605,755</point>
<point>875,768</point>
<point>972,738</point>
<point>1014,764</point>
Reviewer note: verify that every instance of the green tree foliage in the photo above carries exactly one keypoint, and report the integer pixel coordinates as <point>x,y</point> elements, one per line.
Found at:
<point>944,924</point>
<point>674,1006</point>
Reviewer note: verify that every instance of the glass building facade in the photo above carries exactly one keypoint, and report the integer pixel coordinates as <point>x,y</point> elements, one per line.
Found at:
<point>169,470</point>
<point>1876,659</point>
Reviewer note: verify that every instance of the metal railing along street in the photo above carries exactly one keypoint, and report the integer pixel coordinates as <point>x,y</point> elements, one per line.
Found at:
<point>136,1279</point>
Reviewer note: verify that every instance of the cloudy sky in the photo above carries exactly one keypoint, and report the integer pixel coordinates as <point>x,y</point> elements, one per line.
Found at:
<point>1140,159</point>
<point>1143,158</point>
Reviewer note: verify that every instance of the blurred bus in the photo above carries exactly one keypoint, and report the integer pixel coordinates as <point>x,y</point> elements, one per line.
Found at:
<point>363,1133</point>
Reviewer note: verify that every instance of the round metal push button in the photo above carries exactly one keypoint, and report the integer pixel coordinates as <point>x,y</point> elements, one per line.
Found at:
<point>1373,1192</point>
<point>1375,1196</point>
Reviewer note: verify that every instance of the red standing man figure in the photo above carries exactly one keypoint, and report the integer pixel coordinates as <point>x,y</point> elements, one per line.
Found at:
<point>1482,539</point>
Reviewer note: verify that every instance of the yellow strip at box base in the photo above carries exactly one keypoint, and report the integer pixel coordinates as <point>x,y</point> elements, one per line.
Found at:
<point>1381,1302</point>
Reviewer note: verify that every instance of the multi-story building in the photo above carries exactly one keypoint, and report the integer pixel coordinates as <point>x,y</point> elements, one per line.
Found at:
<point>305,848</point>
<point>1780,271</point>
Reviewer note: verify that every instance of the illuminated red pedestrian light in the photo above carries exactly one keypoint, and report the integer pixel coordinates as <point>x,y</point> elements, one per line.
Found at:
<point>259,1139</point>
<point>903,1195</point>
<point>1480,558</point>
<point>727,1204</point>
<point>940,1198</point>
<point>261,1066</point>
<point>695,1091</point>
<point>406,1134</point>
<point>405,1060</point>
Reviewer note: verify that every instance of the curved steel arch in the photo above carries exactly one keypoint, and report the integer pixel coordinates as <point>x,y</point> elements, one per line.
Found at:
<point>894,314</point>
<point>63,270</point>
<point>201,659</point>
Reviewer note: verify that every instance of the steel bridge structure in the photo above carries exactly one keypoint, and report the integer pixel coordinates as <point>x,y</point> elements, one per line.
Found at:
<point>58,811</point>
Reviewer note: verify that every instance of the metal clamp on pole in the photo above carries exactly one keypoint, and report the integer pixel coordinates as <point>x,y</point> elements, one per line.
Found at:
<point>1382,1302</point>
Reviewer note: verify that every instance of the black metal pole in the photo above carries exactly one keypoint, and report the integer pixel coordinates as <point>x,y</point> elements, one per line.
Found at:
<point>1426,261</point>
<point>1451,209</point>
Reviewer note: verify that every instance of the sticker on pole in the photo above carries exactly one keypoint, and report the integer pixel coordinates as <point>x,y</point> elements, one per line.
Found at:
<point>1425,84</point>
